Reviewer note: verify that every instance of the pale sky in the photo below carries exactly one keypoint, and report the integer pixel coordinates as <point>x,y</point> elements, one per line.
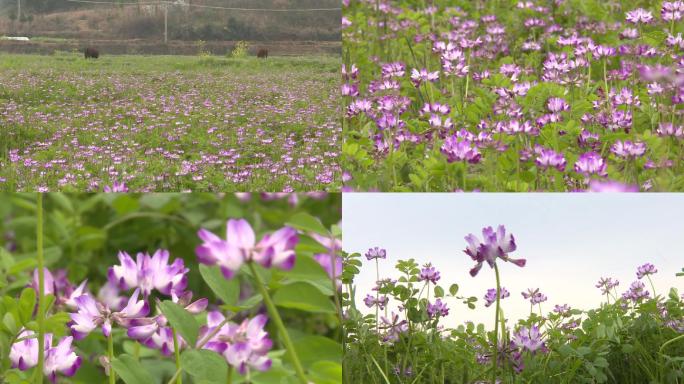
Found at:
<point>569,240</point>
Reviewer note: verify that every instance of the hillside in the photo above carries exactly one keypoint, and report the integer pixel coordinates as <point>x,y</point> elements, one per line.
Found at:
<point>63,19</point>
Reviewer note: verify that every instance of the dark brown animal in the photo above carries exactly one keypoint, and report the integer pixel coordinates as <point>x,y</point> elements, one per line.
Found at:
<point>91,53</point>
<point>262,53</point>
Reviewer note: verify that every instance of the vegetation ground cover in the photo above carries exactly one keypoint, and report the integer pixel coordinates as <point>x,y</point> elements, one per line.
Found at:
<point>396,332</point>
<point>513,95</point>
<point>169,123</point>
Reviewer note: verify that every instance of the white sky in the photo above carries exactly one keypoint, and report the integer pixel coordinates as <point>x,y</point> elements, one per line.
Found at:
<point>569,241</point>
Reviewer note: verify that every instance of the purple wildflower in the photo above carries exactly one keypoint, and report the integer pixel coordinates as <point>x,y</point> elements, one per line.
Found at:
<point>636,292</point>
<point>456,149</point>
<point>496,244</point>
<point>591,163</point>
<point>376,253</point>
<point>528,339</point>
<point>628,149</point>
<point>606,284</point>
<point>243,346</point>
<point>276,249</point>
<point>429,273</point>
<point>149,272</point>
<point>92,314</point>
<point>548,158</point>
<point>639,16</point>
<point>438,308</point>
<point>534,295</point>
<point>60,358</point>
<point>645,270</point>
<point>490,296</point>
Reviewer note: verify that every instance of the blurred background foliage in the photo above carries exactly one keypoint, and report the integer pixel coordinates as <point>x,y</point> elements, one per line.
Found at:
<point>84,232</point>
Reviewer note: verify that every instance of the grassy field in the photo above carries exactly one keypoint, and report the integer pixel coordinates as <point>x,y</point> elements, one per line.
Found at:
<point>169,123</point>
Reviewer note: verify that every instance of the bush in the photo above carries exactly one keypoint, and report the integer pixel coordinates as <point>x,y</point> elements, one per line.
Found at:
<point>240,50</point>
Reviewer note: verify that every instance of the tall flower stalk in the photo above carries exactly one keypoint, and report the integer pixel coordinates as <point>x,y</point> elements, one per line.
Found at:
<point>176,353</point>
<point>495,244</point>
<point>41,291</point>
<point>496,323</point>
<point>275,315</point>
<point>110,356</point>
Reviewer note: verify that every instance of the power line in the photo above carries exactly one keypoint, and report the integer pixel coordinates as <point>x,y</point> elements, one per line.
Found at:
<point>209,6</point>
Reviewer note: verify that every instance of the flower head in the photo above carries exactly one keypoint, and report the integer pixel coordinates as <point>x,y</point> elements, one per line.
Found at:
<point>438,308</point>
<point>240,246</point>
<point>534,295</point>
<point>556,104</point>
<point>490,296</point>
<point>636,292</point>
<point>606,284</point>
<point>93,314</point>
<point>393,327</point>
<point>116,187</point>
<point>371,301</point>
<point>591,163</point>
<point>243,345</point>
<point>548,158</point>
<point>429,273</point>
<point>58,359</point>
<point>456,149</point>
<point>149,272</point>
<point>528,339</point>
<point>645,270</point>
<point>376,253</point>
<point>639,16</point>
<point>628,149</point>
<point>494,245</point>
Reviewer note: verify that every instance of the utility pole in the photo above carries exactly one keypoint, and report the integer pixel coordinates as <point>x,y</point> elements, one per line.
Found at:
<point>19,10</point>
<point>166,18</point>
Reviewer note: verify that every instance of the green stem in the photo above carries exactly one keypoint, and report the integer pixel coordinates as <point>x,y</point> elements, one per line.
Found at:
<point>273,311</point>
<point>496,325</point>
<point>176,352</point>
<point>41,290</point>
<point>110,355</point>
<point>377,297</point>
<point>652,286</point>
<point>230,374</point>
<point>605,78</point>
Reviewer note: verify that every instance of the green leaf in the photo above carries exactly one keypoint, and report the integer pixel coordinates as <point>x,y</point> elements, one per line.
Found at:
<point>307,270</point>
<point>326,372</point>
<point>307,223</point>
<point>439,291</point>
<point>181,320</point>
<point>56,323</point>
<point>304,297</point>
<point>27,302</point>
<point>205,365</point>
<point>62,201</point>
<point>130,370</point>
<point>453,289</point>
<point>226,290</point>
<point>312,349</point>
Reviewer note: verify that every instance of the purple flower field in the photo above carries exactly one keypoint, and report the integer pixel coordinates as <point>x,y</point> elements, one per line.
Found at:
<point>562,95</point>
<point>168,123</point>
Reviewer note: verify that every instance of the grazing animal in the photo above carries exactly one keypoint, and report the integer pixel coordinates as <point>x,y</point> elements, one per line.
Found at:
<point>91,53</point>
<point>262,53</point>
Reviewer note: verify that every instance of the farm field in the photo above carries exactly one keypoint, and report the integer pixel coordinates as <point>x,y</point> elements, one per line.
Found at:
<point>170,288</point>
<point>513,96</point>
<point>169,123</point>
<point>594,299</point>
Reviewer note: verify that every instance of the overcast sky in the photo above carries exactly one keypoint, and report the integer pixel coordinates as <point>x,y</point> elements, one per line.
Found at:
<point>569,241</point>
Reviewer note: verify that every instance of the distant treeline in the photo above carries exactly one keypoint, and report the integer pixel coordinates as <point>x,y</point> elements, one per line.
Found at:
<point>61,18</point>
